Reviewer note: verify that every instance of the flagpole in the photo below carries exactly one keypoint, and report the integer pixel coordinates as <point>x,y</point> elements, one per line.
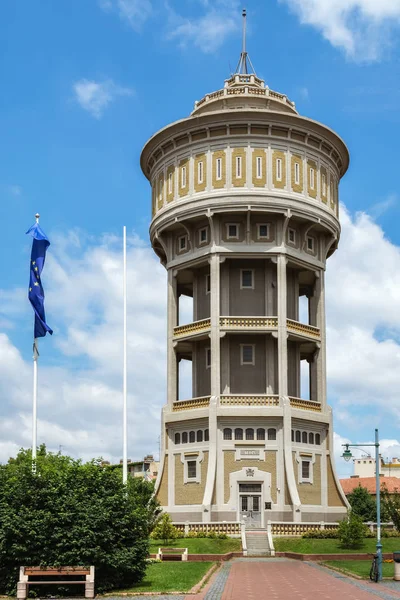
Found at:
<point>125,419</point>
<point>35,388</point>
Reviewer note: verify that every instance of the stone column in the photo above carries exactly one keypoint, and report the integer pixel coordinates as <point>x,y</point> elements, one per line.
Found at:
<point>282,327</point>
<point>214,316</point>
<point>321,324</point>
<point>172,321</point>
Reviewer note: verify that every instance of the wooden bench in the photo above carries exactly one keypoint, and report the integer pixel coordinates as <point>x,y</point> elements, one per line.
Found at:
<point>172,554</point>
<point>56,576</point>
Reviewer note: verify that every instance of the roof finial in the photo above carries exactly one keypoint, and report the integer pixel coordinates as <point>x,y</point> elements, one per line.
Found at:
<point>244,60</point>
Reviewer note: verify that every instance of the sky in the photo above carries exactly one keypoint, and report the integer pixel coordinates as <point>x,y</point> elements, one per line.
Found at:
<point>84,85</point>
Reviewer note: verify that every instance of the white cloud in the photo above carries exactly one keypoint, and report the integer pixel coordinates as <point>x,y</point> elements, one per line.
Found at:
<point>95,96</point>
<point>134,12</point>
<point>362,28</point>
<point>209,30</point>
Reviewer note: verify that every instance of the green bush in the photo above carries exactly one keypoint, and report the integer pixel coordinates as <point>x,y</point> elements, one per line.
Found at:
<point>165,530</point>
<point>222,536</point>
<point>352,531</point>
<point>70,513</point>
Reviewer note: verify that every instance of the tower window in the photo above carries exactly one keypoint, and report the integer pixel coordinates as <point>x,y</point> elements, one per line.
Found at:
<point>238,434</point>
<point>292,435</point>
<point>206,435</point>
<point>199,435</point>
<point>208,284</point>
<point>238,167</point>
<point>279,169</point>
<point>170,183</point>
<point>272,434</point>
<point>177,438</point>
<point>247,354</point>
<point>203,235</point>
<point>297,173</point>
<point>304,437</point>
<point>246,279</point>
<point>232,231</point>
<point>192,437</point>
<point>208,358</point>
<point>263,231</point>
<point>310,243</point>
<point>291,236</point>
<point>200,172</point>
<point>183,178</point>
<point>184,437</point>
<point>249,434</point>
<point>318,439</point>
<point>305,469</point>
<point>310,438</point>
<point>298,436</point>
<point>324,184</point>
<point>261,434</point>
<point>219,169</point>
<point>227,433</point>
<point>191,469</point>
<point>312,178</point>
<point>182,242</point>
<point>259,173</point>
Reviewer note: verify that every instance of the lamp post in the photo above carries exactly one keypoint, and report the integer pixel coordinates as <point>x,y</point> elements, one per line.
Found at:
<point>347,455</point>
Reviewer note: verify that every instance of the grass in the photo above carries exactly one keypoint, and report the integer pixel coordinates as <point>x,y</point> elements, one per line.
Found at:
<point>170,577</point>
<point>360,567</point>
<point>329,546</point>
<point>200,545</point>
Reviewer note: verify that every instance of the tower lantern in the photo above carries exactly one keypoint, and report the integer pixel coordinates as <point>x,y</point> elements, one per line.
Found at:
<point>245,213</point>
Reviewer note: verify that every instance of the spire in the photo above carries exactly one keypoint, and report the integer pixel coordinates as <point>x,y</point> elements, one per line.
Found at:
<point>245,65</point>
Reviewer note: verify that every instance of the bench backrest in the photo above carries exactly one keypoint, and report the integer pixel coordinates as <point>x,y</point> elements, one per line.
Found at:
<point>37,571</point>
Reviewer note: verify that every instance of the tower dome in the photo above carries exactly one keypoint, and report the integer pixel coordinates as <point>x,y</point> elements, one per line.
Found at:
<point>245,213</point>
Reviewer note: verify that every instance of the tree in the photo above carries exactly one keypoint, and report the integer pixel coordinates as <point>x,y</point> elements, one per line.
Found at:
<point>165,530</point>
<point>390,506</point>
<point>362,504</point>
<point>351,531</point>
<point>70,513</point>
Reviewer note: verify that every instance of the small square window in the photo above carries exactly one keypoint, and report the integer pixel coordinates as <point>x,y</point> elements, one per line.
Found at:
<point>297,173</point>
<point>232,231</point>
<point>219,169</point>
<point>310,244</point>
<point>203,235</point>
<point>208,284</point>
<point>247,354</point>
<point>182,241</point>
<point>191,469</point>
<point>263,231</point>
<point>292,236</point>
<point>200,171</point>
<point>279,169</point>
<point>259,167</point>
<point>246,279</point>
<point>208,358</point>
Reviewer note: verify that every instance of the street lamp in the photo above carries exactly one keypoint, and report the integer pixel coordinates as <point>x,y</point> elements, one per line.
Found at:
<point>347,456</point>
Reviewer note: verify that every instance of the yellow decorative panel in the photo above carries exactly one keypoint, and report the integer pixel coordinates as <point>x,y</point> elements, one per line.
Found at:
<point>258,155</point>
<point>200,159</point>
<point>160,191</point>
<point>297,174</point>
<point>219,183</point>
<point>279,169</point>
<point>183,187</point>
<point>239,167</point>
<point>189,493</point>
<point>324,185</point>
<point>170,183</point>
<point>334,497</point>
<point>231,465</point>
<point>310,493</point>
<point>162,494</point>
<point>312,178</point>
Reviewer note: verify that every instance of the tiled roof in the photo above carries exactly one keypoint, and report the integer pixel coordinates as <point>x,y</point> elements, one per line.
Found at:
<point>392,484</point>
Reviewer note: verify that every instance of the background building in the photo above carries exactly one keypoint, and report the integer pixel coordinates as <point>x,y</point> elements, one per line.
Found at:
<point>147,468</point>
<point>245,213</point>
<point>365,467</point>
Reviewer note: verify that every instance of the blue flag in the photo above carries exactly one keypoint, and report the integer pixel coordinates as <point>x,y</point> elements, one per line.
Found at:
<point>36,293</point>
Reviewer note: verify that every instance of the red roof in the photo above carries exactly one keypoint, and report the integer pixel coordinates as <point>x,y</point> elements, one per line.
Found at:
<point>392,484</point>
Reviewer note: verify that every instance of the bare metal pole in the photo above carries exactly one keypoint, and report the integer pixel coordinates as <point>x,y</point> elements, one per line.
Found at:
<point>125,416</point>
<point>244,14</point>
<point>35,389</point>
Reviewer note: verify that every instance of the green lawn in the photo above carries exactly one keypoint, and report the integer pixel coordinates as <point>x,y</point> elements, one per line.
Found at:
<point>200,545</point>
<point>170,577</point>
<point>360,567</point>
<point>310,546</point>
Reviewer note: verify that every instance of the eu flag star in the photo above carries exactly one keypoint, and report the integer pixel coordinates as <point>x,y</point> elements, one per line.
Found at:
<point>36,283</point>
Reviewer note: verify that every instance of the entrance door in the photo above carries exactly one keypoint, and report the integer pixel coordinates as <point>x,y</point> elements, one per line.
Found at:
<point>250,504</point>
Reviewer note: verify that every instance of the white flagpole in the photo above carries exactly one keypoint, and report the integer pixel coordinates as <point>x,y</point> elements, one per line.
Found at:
<point>35,387</point>
<point>125,419</point>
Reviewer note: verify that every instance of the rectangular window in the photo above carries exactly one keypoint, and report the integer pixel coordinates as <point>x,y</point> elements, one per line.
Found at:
<point>324,185</point>
<point>305,469</point>
<point>259,167</point>
<point>246,278</point>
<point>203,235</point>
<point>170,183</point>
<point>208,284</point>
<point>279,169</point>
<point>263,231</point>
<point>312,178</point>
<point>191,469</point>
<point>208,358</point>
<point>292,236</point>
<point>297,173</point>
<point>247,354</point>
<point>232,231</point>
<point>183,182</point>
<point>200,174</point>
<point>238,167</point>
<point>310,243</point>
<point>219,169</point>
<point>182,242</point>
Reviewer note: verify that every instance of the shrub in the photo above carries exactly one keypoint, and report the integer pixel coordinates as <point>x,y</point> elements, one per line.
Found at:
<point>70,513</point>
<point>212,535</point>
<point>362,504</point>
<point>165,530</point>
<point>352,531</point>
<point>222,536</point>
